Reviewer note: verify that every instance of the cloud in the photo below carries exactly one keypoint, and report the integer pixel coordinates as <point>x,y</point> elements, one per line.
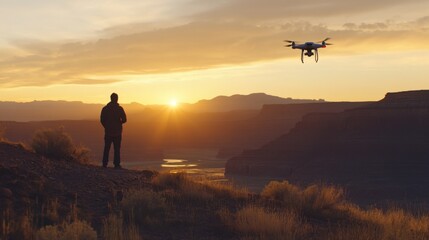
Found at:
<point>256,10</point>
<point>237,32</point>
<point>196,45</point>
<point>366,26</point>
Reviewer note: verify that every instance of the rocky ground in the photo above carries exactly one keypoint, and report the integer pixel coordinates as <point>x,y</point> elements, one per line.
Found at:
<point>27,180</point>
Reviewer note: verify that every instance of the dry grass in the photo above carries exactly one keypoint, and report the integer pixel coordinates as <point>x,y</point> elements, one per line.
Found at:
<point>44,222</point>
<point>6,224</point>
<point>77,230</point>
<point>197,189</point>
<point>114,228</point>
<point>144,207</point>
<point>195,208</point>
<point>314,199</point>
<point>16,227</point>
<point>164,181</point>
<point>224,189</point>
<point>384,225</point>
<point>255,222</point>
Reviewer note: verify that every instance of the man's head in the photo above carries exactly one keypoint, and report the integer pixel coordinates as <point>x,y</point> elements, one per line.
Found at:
<point>114,97</point>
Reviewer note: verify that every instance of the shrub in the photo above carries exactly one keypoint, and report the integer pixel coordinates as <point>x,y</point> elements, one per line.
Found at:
<point>77,230</point>
<point>57,144</point>
<point>283,191</point>
<point>48,233</point>
<point>313,199</point>
<point>322,197</point>
<point>81,154</point>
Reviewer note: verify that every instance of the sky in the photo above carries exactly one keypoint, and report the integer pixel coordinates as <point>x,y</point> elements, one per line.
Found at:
<point>154,51</point>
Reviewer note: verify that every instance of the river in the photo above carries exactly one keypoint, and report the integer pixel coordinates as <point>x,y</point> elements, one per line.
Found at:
<point>199,163</point>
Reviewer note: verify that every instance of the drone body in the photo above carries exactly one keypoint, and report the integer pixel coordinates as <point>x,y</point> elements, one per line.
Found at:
<point>308,48</point>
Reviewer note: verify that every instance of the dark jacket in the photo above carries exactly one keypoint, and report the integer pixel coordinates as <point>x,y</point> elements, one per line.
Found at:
<point>112,117</point>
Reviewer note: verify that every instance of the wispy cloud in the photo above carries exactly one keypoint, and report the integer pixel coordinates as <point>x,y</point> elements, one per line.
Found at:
<point>236,32</point>
<point>256,10</point>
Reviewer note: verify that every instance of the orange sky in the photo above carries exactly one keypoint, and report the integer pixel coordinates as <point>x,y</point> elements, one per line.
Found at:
<point>152,52</point>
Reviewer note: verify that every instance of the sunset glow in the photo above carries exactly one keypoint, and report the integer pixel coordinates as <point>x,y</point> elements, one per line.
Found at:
<point>173,103</point>
<point>54,50</point>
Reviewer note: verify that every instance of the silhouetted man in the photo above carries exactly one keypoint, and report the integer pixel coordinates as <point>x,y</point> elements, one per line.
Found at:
<point>112,117</point>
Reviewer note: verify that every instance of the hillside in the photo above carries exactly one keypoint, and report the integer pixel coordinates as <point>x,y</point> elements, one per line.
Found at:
<point>25,177</point>
<point>46,199</point>
<point>378,148</point>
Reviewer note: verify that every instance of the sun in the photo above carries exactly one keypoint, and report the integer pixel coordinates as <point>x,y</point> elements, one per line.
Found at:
<point>173,103</point>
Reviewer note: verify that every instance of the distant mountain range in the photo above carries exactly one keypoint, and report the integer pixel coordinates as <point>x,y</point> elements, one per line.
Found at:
<point>64,110</point>
<point>242,102</point>
<point>54,110</point>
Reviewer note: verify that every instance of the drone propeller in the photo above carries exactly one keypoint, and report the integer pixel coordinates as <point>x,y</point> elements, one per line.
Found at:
<point>289,45</point>
<point>289,41</point>
<point>329,44</point>
<point>326,39</point>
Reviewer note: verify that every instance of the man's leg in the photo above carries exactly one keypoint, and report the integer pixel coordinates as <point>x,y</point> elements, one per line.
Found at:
<point>107,143</point>
<point>117,147</point>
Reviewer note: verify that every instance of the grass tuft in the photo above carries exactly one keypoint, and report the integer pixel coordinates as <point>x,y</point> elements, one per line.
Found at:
<point>256,222</point>
<point>114,228</point>
<point>314,199</point>
<point>144,207</point>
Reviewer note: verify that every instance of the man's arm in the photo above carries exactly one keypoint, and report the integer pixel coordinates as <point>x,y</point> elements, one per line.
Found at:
<point>102,117</point>
<point>123,116</point>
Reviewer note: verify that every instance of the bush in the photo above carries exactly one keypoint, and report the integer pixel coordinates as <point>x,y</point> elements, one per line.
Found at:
<point>78,230</point>
<point>57,144</point>
<point>313,199</point>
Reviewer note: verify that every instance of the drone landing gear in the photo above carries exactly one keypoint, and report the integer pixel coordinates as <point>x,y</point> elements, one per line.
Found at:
<point>316,55</point>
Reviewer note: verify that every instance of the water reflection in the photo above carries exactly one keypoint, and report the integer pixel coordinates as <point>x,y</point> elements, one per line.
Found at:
<point>177,163</point>
<point>201,165</point>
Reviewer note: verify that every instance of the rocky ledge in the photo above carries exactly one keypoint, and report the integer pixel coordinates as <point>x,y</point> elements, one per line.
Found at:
<point>382,147</point>
<point>27,179</point>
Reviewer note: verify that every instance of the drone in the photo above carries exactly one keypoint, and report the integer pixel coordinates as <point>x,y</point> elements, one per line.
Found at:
<point>309,47</point>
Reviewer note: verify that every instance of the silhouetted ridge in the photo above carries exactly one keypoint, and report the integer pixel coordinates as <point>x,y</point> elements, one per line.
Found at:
<point>382,146</point>
<point>243,102</point>
<point>284,111</point>
<point>414,99</point>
